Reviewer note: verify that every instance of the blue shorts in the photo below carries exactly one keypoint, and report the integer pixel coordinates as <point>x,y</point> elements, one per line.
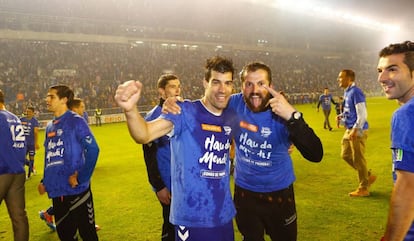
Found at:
<point>220,233</point>
<point>30,149</point>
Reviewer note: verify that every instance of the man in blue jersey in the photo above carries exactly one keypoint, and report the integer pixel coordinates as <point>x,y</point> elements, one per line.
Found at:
<point>353,142</point>
<point>201,205</point>
<point>267,125</point>
<point>31,129</point>
<point>12,173</point>
<point>70,158</point>
<point>396,76</point>
<point>325,100</point>
<point>157,155</point>
<point>78,106</point>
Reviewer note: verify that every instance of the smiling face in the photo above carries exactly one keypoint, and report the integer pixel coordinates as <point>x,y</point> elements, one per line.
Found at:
<point>343,80</point>
<point>217,91</point>
<point>29,113</point>
<point>395,78</point>
<point>255,96</point>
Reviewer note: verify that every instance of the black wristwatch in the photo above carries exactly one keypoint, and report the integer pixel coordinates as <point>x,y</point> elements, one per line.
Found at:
<point>296,115</point>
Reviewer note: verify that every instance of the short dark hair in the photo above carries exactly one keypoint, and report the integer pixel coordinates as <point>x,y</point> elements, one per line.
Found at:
<point>75,103</point>
<point>163,80</point>
<point>349,73</point>
<point>254,66</point>
<point>63,91</point>
<point>218,64</point>
<point>406,48</point>
<point>30,108</point>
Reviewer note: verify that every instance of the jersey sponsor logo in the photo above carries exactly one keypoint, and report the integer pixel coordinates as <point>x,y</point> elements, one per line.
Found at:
<point>207,127</point>
<point>216,152</point>
<point>250,146</point>
<point>248,126</point>
<point>55,150</point>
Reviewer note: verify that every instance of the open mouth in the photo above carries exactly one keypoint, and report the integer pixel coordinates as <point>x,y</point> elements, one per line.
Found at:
<point>387,86</point>
<point>255,100</point>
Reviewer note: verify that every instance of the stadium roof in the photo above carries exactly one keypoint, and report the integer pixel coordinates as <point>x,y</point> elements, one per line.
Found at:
<point>240,18</point>
<point>397,11</point>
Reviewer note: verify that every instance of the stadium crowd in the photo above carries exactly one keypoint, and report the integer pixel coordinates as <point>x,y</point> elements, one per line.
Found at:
<point>28,68</point>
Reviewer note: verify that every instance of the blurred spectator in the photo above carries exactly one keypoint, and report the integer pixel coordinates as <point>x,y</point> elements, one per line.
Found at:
<point>94,70</point>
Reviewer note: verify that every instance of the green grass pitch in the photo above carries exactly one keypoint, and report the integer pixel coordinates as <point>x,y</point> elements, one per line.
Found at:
<point>127,209</point>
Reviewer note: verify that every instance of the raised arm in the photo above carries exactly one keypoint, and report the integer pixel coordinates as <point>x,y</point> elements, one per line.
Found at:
<point>127,96</point>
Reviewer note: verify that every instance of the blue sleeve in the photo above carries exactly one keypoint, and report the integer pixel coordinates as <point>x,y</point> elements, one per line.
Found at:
<point>358,97</point>
<point>403,161</point>
<point>91,152</point>
<point>319,102</point>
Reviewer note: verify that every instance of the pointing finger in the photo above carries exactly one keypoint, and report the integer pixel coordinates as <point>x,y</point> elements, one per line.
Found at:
<point>273,92</point>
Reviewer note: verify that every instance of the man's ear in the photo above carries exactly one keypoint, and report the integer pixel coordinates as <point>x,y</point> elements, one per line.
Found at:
<point>205,83</point>
<point>65,100</point>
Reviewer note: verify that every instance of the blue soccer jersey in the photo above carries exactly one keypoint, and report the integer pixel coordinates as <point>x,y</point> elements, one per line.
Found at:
<point>263,163</point>
<point>325,101</point>
<point>12,144</point>
<point>200,166</point>
<point>163,150</point>
<point>29,126</point>
<point>402,143</point>
<point>68,144</point>
<point>352,96</point>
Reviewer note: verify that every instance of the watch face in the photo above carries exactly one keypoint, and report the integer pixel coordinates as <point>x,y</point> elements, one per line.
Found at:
<point>297,115</point>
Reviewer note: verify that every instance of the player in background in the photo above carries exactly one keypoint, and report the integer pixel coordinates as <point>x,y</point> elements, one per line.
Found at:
<point>157,155</point>
<point>12,173</point>
<point>326,100</point>
<point>70,158</point>
<point>31,129</point>
<point>354,139</point>
<point>77,106</point>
